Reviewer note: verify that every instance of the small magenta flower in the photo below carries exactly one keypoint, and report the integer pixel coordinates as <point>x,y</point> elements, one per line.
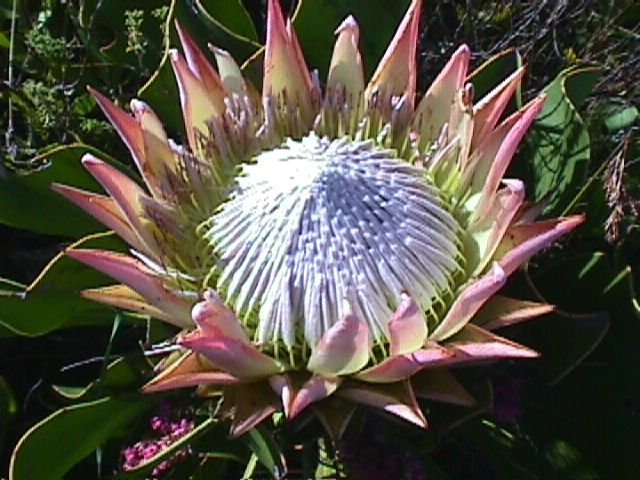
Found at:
<point>165,433</point>
<point>325,246</point>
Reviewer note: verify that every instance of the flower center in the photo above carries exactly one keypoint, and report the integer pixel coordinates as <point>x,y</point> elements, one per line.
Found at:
<point>317,221</point>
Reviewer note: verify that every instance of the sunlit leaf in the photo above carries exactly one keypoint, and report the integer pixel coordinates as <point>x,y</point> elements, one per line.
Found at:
<point>59,442</point>
<point>559,143</point>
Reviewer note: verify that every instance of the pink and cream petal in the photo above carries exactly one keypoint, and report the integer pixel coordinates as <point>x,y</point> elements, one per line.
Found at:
<point>345,70</point>
<point>140,278</point>
<point>201,68</point>
<point>230,72</point>
<point>407,328</point>
<point>343,349</point>
<point>476,171</point>
<point>283,387</point>
<point>284,67</point>
<point>104,209</point>
<point>126,126</point>
<point>397,71</point>
<point>313,390</point>
<point>395,398</point>
<point>125,298</point>
<point>496,220</point>
<point>475,344</point>
<point>199,105</point>
<point>434,110</point>
<point>401,367</point>
<point>522,241</point>
<point>215,319</point>
<point>506,151</point>
<point>469,301</point>
<point>126,194</point>
<point>440,385</point>
<point>488,110</point>
<point>240,359</point>
<point>189,370</point>
<point>160,160</point>
<point>504,311</point>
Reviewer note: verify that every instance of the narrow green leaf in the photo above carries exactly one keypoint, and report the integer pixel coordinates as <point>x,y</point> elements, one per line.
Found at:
<point>266,450</point>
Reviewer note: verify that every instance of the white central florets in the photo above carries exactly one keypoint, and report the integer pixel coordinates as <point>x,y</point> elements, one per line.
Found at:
<point>318,221</point>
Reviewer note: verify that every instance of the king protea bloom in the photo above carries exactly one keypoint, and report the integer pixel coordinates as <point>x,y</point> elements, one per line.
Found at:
<point>322,246</point>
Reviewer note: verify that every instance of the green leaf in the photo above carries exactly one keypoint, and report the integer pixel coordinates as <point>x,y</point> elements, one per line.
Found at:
<point>8,410</point>
<point>27,201</point>
<point>493,71</point>
<point>568,285</point>
<point>122,374</point>
<point>53,300</point>
<point>59,442</point>
<point>230,16</point>
<point>595,408</point>
<point>266,451</point>
<point>620,117</point>
<point>559,143</point>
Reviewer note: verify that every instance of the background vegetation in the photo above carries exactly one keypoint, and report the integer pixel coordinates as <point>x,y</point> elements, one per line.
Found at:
<point>573,415</point>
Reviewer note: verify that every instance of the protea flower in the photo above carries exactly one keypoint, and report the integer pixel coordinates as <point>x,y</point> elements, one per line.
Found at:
<point>322,246</point>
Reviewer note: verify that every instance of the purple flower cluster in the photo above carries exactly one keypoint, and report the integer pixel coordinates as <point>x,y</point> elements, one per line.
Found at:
<point>164,432</point>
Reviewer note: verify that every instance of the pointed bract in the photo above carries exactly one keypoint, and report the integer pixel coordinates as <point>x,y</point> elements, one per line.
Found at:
<point>506,151</point>
<point>474,344</point>
<point>200,66</point>
<point>315,389</point>
<point>523,241</point>
<point>240,359</point>
<point>397,71</point>
<point>401,367</point>
<point>140,278</point>
<point>126,194</point>
<point>199,105</point>
<point>125,298</point>
<point>395,398</point>
<point>469,301</point>
<point>434,110</point>
<point>345,70</point>
<point>284,67</point>
<point>189,370</point>
<point>504,311</point>
<point>342,350</point>
<point>103,209</point>
<point>126,126</point>
<point>487,111</point>
<point>407,328</point>
<point>230,73</point>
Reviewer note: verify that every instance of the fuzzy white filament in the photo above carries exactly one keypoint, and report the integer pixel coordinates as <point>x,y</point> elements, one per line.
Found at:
<point>315,221</point>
